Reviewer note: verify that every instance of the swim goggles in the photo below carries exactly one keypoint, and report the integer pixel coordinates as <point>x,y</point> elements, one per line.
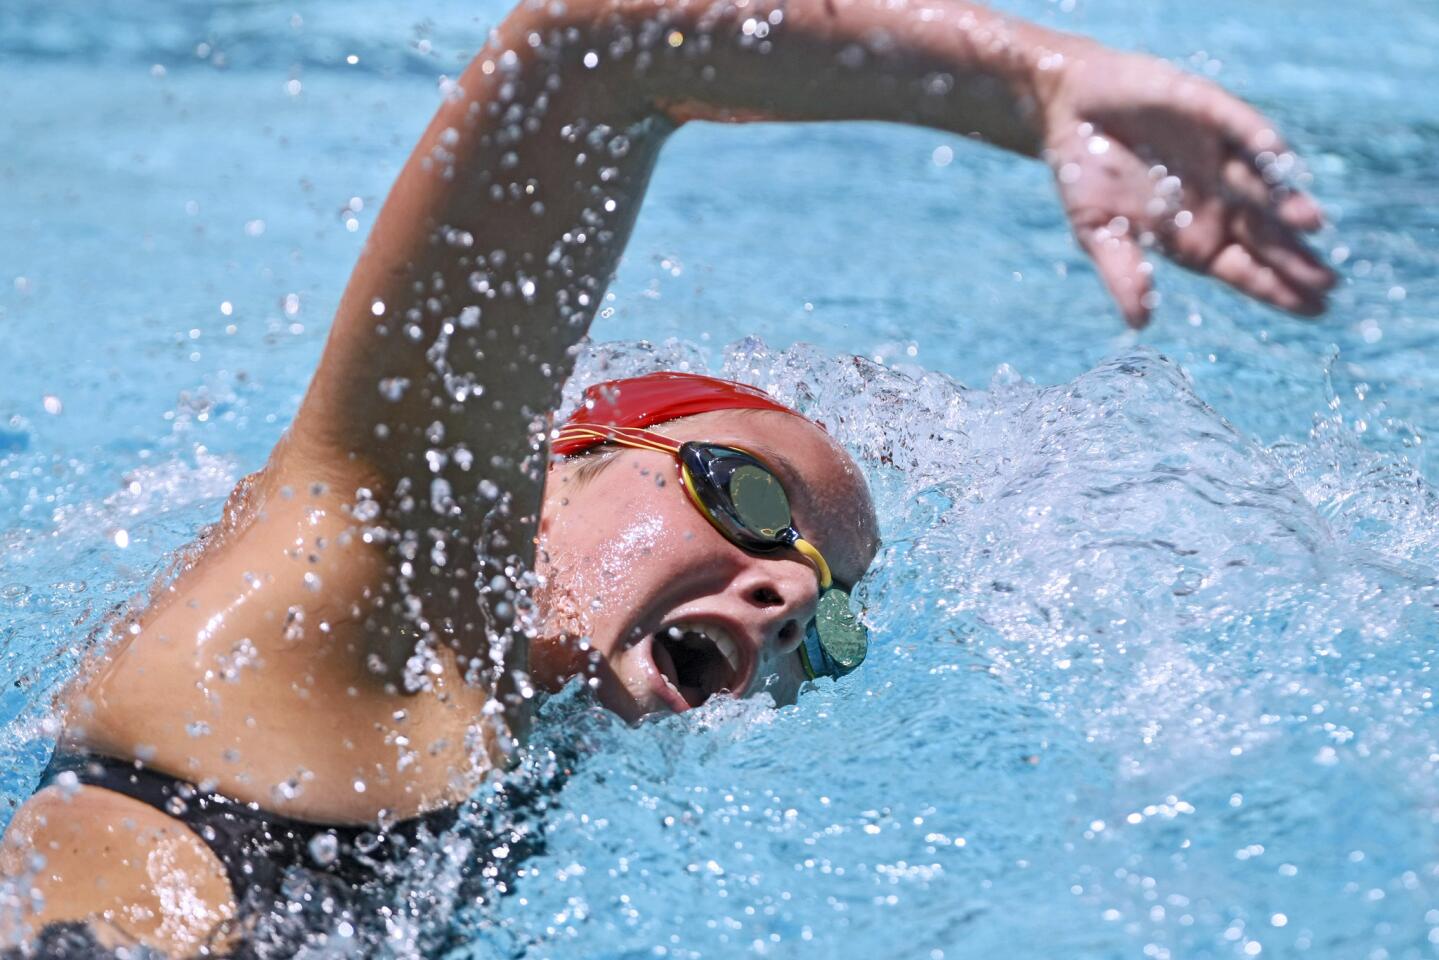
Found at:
<point>743,499</point>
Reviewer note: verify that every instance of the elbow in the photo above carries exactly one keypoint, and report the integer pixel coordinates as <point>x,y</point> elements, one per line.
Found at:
<point>585,53</point>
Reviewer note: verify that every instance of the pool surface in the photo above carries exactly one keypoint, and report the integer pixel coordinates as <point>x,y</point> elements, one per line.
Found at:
<point>1155,619</point>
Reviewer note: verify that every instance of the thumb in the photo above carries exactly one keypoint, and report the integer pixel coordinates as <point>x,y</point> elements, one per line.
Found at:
<point>1125,272</point>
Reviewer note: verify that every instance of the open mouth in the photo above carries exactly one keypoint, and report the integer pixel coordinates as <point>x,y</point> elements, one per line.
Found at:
<point>697,661</point>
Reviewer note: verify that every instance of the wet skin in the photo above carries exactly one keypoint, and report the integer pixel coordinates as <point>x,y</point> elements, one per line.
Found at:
<point>218,680</point>
<point>620,557</point>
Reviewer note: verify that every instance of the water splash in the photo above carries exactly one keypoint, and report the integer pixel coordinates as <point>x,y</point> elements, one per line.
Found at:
<point>1130,663</point>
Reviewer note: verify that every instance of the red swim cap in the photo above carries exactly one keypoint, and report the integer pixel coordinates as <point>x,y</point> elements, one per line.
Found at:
<point>657,398</point>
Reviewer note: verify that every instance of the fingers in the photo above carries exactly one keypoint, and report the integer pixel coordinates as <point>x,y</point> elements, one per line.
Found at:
<point>1300,211</point>
<point>1294,208</point>
<point>1246,128</point>
<point>1265,222</point>
<point>1267,229</point>
<point>1277,246</point>
<point>1122,266</point>
<point>1237,267</point>
<point>1256,141</point>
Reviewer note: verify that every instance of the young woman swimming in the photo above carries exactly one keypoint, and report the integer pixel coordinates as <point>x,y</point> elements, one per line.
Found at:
<point>361,639</point>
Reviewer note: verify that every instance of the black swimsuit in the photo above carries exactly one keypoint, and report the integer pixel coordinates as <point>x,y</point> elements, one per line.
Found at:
<point>256,847</point>
<point>277,865</point>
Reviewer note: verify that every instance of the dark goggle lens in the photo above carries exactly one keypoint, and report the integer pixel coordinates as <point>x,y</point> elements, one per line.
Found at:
<point>836,642</point>
<point>746,499</point>
<point>759,500</point>
<point>740,492</point>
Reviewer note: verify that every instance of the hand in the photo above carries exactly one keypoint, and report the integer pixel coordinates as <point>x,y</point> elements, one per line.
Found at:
<point>1148,157</point>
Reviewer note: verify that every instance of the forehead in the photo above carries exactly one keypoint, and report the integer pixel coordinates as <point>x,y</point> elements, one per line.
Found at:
<point>827,491</point>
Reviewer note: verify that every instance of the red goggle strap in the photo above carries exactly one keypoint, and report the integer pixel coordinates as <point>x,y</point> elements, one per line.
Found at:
<point>592,435</point>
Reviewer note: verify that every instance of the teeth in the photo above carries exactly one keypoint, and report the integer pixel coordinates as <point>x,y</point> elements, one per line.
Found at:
<point>723,642</point>
<point>727,647</point>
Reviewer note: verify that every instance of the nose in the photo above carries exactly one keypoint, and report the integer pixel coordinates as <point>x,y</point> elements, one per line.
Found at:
<point>783,595</point>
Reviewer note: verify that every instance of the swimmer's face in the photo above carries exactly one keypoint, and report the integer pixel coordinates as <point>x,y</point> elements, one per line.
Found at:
<point>644,595</point>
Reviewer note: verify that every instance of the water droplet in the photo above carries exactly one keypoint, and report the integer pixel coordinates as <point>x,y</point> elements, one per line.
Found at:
<point>393,388</point>
<point>68,783</point>
<point>325,847</point>
<point>441,500</point>
<point>852,56</point>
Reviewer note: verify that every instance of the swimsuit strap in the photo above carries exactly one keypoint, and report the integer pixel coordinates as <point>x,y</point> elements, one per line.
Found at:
<point>256,847</point>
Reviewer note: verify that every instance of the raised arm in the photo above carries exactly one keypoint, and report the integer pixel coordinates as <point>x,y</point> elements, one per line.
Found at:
<point>492,252</point>
<point>496,243</point>
<point>494,248</point>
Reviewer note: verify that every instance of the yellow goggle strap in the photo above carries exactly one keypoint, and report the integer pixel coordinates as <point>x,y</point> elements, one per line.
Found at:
<point>693,493</point>
<point>821,569</point>
<point>620,436</point>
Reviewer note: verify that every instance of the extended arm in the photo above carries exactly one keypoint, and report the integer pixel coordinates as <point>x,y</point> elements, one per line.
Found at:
<point>495,246</point>
<point>492,251</point>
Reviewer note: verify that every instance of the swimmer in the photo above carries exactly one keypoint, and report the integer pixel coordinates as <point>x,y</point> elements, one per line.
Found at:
<point>361,638</point>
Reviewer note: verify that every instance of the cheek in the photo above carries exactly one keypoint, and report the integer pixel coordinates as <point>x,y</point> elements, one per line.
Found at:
<point>603,556</point>
<point>636,540</point>
<point>596,548</point>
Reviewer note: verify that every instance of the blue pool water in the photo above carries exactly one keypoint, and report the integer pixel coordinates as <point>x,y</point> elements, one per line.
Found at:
<point>1156,615</point>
